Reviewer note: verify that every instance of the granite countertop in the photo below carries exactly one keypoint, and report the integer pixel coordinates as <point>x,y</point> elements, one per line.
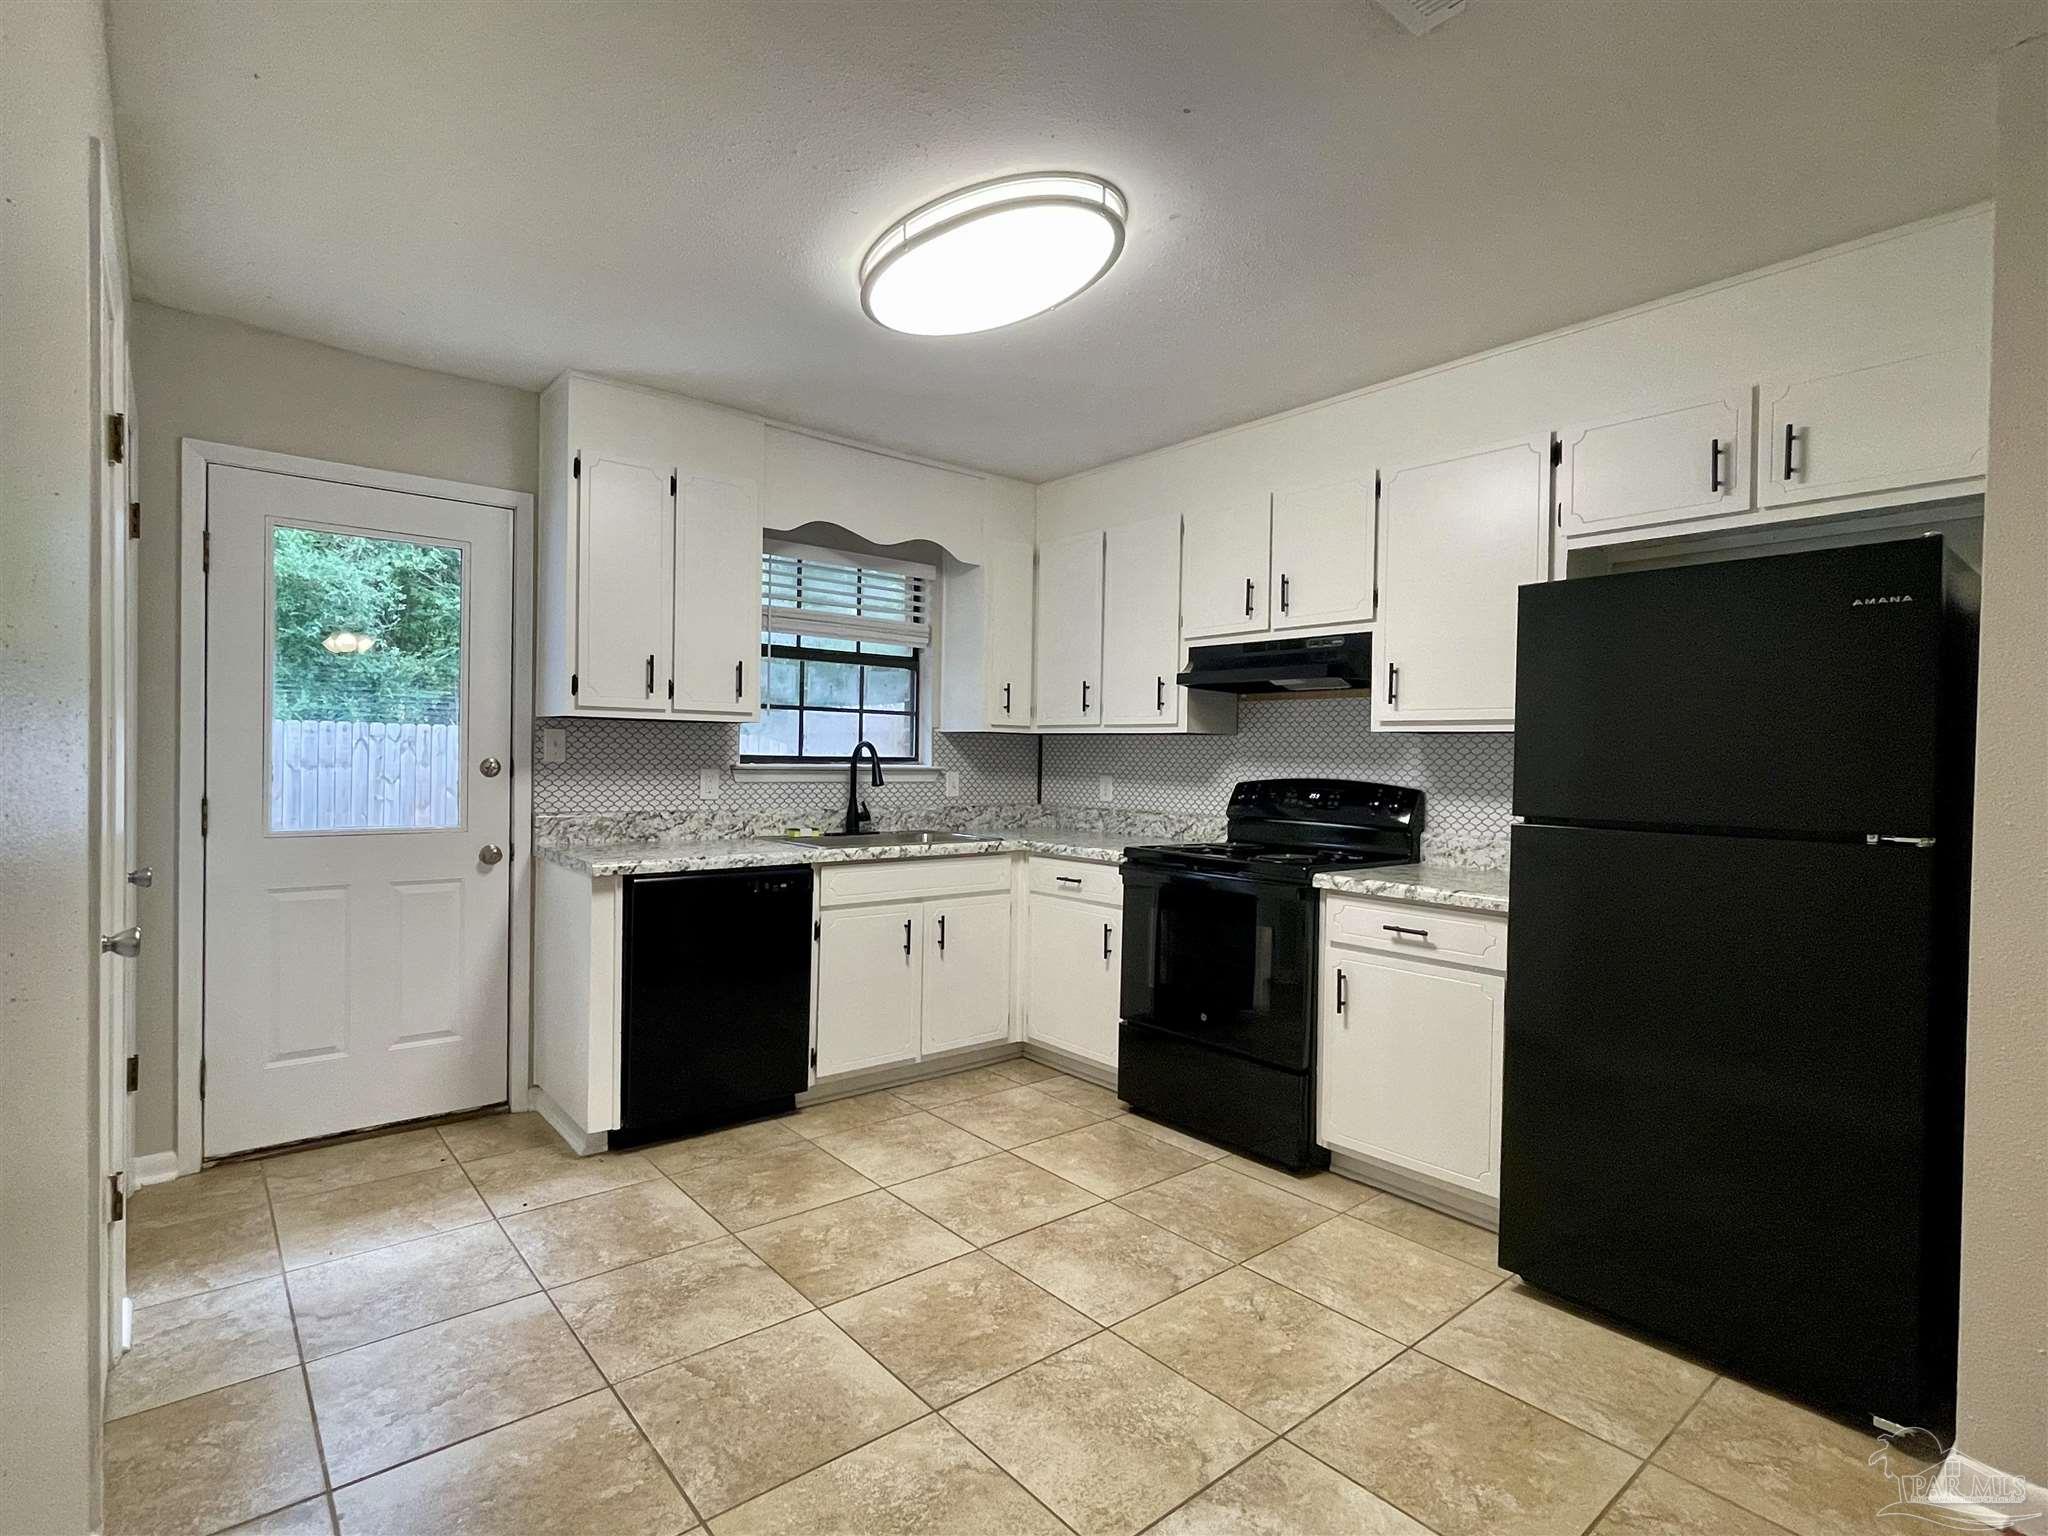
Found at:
<point>1436,885</point>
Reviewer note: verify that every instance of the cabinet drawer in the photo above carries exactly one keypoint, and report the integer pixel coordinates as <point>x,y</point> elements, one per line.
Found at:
<point>1072,877</point>
<point>841,885</point>
<point>1425,932</point>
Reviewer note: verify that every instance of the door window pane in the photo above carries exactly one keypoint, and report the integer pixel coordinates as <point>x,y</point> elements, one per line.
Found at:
<point>366,683</point>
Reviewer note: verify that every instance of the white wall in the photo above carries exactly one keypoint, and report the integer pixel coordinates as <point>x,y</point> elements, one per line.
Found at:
<point>222,381</point>
<point>1929,284</point>
<point>54,104</point>
<point>2003,1375</point>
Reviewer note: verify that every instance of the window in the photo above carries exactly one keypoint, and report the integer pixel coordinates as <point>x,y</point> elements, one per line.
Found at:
<point>842,657</point>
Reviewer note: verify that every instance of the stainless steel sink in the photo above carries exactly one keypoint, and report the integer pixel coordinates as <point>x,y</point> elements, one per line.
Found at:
<point>887,839</point>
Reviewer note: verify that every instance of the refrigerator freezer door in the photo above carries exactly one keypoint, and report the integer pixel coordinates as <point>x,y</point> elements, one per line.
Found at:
<point>1731,1108</point>
<point>1794,693</point>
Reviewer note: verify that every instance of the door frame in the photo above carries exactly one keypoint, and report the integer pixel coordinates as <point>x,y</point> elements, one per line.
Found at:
<point>196,457</point>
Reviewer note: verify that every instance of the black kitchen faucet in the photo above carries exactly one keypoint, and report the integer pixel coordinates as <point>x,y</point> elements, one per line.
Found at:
<point>857,817</point>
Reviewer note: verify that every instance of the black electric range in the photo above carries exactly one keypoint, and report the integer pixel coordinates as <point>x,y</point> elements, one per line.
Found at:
<point>1219,963</point>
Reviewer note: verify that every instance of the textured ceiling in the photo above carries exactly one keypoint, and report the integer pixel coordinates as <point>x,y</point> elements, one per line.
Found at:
<point>679,193</point>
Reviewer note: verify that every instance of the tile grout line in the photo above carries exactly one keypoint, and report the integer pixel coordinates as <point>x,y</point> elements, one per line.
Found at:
<point>1630,1481</point>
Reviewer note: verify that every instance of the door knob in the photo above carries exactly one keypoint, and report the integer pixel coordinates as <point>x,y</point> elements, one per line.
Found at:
<point>127,943</point>
<point>490,767</point>
<point>490,853</point>
<point>143,878</point>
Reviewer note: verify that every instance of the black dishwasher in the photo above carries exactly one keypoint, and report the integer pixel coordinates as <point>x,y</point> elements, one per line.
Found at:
<point>716,1023</point>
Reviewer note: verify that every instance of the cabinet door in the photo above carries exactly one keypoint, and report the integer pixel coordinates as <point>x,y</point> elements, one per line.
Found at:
<point>1323,555</point>
<point>1074,970</point>
<point>1664,465</point>
<point>623,527</point>
<point>1411,1066</point>
<point>1226,556</point>
<point>1141,624</point>
<point>1009,634</point>
<point>1912,421</point>
<point>718,599</point>
<point>966,971</point>
<point>1457,538</point>
<point>869,980</point>
<point>1069,631</point>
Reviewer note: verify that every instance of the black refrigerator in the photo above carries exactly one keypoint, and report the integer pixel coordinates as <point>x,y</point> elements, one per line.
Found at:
<point>1732,1097</point>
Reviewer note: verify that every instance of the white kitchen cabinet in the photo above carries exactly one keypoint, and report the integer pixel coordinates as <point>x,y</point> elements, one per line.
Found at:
<point>1141,624</point>
<point>1411,1066</point>
<point>1896,426</point>
<point>1673,462</point>
<point>1069,630</point>
<point>966,971</point>
<point>1010,567</point>
<point>870,986</point>
<point>1323,547</point>
<point>624,518</point>
<point>1458,539</point>
<point>985,641</point>
<point>1073,975</point>
<point>718,615</point>
<point>1226,559</point>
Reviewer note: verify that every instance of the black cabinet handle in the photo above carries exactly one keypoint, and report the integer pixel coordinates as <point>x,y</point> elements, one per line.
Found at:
<point>1068,879</point>
<point>1714,466</point>
<point>1105,941</point>
<point>942,933</point>
<point>738,669</point>
<point>1283,592</point>
<point>1159,697</point>
<point>1419,933</point>
<point>650,677</point>
<point>1084,698</point>
<point>1341,998</point>
<point>1393,685</point>
<point>1006,698</point>
<point>906,936</point>
<point>1791,437</point>
<point>1247,597</point>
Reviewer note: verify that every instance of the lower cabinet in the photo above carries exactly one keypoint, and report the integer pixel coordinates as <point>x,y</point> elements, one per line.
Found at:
<point>1074,971</point>
<point>966,972</point>
<point>870,975</point>
<point>1411,1056</point>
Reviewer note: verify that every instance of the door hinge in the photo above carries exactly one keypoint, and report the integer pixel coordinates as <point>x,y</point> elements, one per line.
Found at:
<point>117,1201</point>
<point>671,484</point>
<point>134,1073</point>
<point>117,437</point>
<point>205,814</point>
<point>134,519</point>
<point>576,467</point>
<point>671,690</point>
<point>1557,509</point>
<point>817,929</point>
<point>572,685</point>
<point>202,1077</point>
<point>814,1055</point>
<point>1375,487</point>
<point>206,549</point>
<point>1556,453</point>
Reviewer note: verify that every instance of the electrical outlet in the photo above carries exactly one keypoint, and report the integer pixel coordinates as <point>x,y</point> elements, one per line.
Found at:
<point>554,744</point>
<point>1104,790</point>
<point>952,784</point>
<point>708,783</point>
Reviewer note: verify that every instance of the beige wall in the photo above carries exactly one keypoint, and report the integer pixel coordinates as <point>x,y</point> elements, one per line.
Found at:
<point>54,104</point>
<point>224,382</point>
<point>2003,1377</point>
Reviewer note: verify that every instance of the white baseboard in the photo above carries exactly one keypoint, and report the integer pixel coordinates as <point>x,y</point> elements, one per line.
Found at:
<point>1964,1481</point>
<point>580,1141</point>
<point>155,1168</point>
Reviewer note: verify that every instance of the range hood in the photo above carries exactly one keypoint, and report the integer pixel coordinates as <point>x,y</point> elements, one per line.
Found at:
<point>1313,664</point>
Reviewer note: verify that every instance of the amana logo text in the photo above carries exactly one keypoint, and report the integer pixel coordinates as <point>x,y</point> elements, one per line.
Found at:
<point>1897,597</point>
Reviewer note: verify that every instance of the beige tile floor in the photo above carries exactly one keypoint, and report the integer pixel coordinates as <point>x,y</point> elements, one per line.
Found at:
<point>987,1303</point>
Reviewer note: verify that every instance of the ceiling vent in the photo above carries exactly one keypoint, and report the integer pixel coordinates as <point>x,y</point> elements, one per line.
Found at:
<point>1420,16</point>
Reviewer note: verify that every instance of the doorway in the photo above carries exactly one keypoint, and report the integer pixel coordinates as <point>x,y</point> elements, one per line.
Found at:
<point>357,809</point>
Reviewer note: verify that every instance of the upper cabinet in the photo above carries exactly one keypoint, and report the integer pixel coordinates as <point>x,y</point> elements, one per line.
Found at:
<point>985,634</point>
<point>1670,463</point>
<point>1141,623</point>
<point>649,555</point>
<point>1903,425</point>
<point>1070,630</point>
<point>1225,564</point>
<point>1459,537</point>
<point>1286,561</point>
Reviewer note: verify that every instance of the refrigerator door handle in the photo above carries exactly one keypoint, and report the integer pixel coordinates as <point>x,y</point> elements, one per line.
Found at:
<point>1873,839</point>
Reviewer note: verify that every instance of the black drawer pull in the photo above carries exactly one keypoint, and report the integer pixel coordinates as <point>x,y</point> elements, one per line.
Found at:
<point>1247,597</point>
<point>1419,933</point>
<point>1159,697</point>
<point>1105,941</point>
<point>1283,592</point>
<point>1084,698</point>
<point>1791,437</point>
<point>1341,999</point>
<point>906,936</point>
<point>942,933</point>
<point>1006,698</point>
<point>737,670</point>
<point>1068,879</point>
<point>1714,466</point>
<point>650,677</point>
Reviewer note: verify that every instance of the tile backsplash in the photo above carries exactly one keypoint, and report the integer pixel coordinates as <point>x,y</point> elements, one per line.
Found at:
<point>1468,776</point>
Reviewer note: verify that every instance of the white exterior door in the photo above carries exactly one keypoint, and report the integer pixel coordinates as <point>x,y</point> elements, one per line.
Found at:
<point>718,599</point>
<point>1323,555</point>
<point>1225,558</point>
<point>1069,631</point>
<point>966,971</point>
<point>1075,970</point>
<point>869,980</point>
<point>358,717</point>
<point>1459,539</point>
<point>1141,624</point>
<point>1910,421</point>
<point>625,525</point>
<point>1672,462</point>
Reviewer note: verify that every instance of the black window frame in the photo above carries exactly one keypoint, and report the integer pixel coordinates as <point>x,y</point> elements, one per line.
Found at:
<point>862,659</point>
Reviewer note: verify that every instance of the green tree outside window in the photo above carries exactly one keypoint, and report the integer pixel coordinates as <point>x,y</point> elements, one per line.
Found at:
<point>405,597</point>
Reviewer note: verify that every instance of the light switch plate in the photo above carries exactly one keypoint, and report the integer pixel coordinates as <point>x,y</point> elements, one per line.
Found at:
<point>554,744</point>
<point>952,784</point>
<point>1104,790</point>
<point>708,782</point>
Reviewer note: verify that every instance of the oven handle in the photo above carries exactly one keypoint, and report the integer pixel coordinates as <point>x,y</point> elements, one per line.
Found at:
<point>1151,875</point>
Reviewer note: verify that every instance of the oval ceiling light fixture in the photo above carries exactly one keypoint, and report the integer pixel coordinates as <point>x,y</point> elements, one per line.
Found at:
<point>993,254</point>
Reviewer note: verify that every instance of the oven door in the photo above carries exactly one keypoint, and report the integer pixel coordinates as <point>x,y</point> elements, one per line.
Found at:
<point>1223,960</point>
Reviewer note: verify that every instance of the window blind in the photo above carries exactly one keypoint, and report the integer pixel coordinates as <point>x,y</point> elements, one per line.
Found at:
<point>817,592</point>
